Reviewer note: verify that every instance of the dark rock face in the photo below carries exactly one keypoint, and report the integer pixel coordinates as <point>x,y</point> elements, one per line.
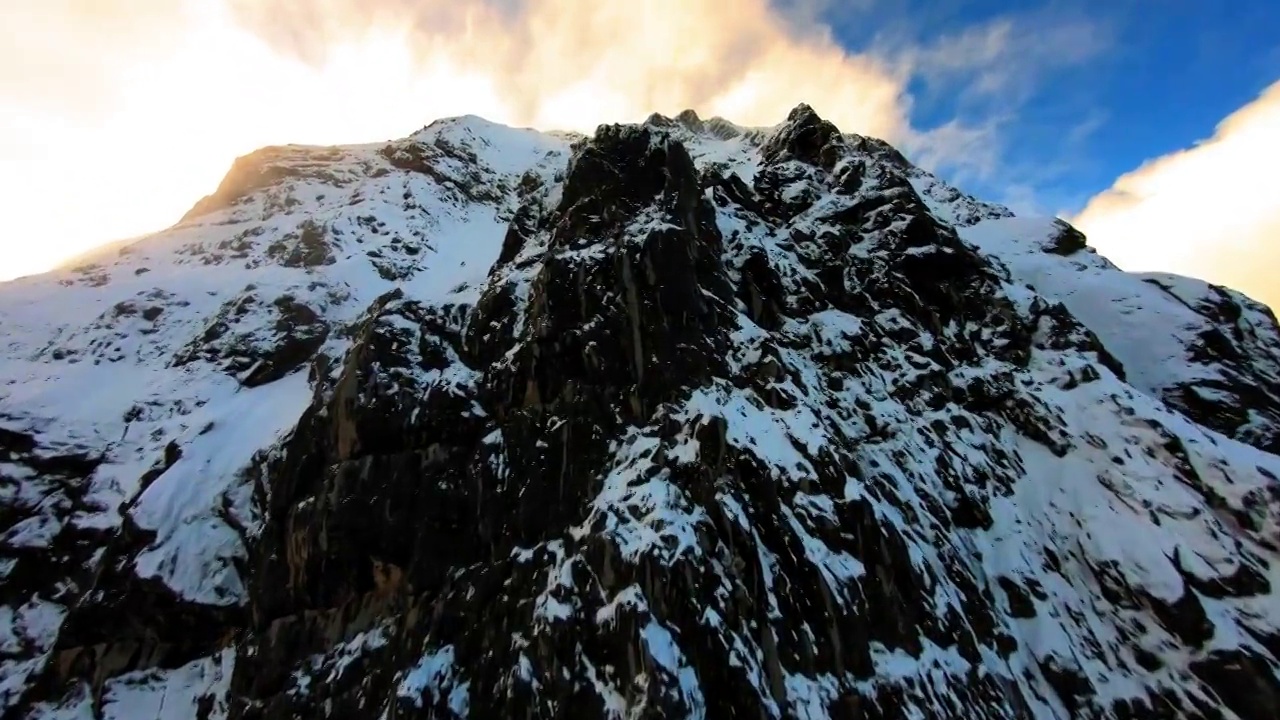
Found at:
<point>703,445</point>
<point>1066,240</point>
<point>804,137</point>
<point>586,395</point>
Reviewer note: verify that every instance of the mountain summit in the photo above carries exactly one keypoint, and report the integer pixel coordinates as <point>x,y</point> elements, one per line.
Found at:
<point>681,419</point>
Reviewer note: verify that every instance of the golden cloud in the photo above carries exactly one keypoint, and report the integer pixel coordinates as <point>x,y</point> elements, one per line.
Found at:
<point>571,64</point>
<point>110,134</point>
<point>1211,211</point>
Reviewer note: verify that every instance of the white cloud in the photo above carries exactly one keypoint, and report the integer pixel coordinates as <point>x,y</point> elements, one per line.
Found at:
<point>1005,59</point>
<point>982,77</point>
<point>116,115</point>
<point>968,153</point>
<point>1210,211</point>
<point>577,63</point>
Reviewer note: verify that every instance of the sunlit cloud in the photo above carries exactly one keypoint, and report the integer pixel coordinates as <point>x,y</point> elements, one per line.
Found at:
<point>116,115</point>
<point>572,64</point>
<point>1210,211</point>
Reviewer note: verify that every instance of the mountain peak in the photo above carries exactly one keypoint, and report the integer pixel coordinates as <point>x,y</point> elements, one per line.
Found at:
<point>678,419</point>
<point>689,117</point>
<point>805,137</point>
<point>803,114</point>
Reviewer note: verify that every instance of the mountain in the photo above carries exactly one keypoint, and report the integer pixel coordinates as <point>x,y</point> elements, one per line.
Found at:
<point>681,419</point>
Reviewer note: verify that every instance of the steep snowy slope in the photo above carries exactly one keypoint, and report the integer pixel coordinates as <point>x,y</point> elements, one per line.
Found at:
<point>680,420</point>
<point>1206,350</point>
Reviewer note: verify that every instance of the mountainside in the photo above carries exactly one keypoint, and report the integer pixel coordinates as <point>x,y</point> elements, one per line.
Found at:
<point>681,419</point>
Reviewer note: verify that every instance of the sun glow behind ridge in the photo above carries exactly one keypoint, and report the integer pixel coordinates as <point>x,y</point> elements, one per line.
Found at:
<point>171,129</point>
<point>117,115</point>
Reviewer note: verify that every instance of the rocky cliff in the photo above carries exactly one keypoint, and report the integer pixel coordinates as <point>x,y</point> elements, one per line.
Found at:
<point>681,419</point>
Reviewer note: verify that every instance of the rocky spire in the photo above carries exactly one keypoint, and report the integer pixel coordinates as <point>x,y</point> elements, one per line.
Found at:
<point>804,137</point>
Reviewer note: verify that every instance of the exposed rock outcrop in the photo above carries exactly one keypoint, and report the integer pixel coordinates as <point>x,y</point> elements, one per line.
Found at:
<point>726,422</point>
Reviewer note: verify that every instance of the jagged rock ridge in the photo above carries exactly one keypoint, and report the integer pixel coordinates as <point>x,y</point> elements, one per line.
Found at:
<point>682,419</point>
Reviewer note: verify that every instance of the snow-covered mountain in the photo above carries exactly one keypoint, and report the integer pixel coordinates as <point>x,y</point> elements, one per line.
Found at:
<point>682,419</point>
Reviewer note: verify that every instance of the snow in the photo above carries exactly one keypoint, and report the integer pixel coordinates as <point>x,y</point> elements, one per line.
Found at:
<point>1103,505</point>
<point>641,508</point>
<point>433,675</point>
<point>840,569</point>
<point>193,550</point>
<point>331,666</point>
<point>157,694</point>
<point>666,653</point>
<point>32,626</point>
<point>615,705</point>
<point>1147,328</point>
<point>168,694</point>
<point>834,331</point>
<point>771,435</point>
<point>90,353</point>
<point>547,607</point>
<point>504,150</point>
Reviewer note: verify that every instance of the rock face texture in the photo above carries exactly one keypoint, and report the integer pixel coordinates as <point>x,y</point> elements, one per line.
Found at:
<point>681,419</point>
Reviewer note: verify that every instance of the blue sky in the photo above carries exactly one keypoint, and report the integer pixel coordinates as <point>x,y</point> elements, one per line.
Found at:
<point>1119,82</point>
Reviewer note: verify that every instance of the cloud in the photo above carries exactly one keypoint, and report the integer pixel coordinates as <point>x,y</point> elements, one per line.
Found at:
<point>969,153</point>
<point>115,115</point>
<point>1005,59</point>
<point>576,63</point>
<point>978,79</point>
<point>39,70</point>
<point>1083,129</point>
<point>1210,211</point>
